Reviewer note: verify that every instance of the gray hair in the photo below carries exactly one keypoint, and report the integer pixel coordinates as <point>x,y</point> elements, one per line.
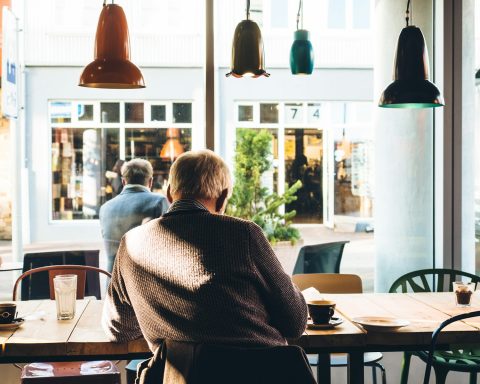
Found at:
<point>137,171</point>
<point>199,174</point>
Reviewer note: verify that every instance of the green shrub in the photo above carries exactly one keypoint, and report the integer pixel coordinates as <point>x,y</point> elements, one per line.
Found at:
<point>253,157</point>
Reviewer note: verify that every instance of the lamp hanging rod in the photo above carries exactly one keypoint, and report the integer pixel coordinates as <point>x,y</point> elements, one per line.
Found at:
<point>407,13</point>
<point>300,14</point>
<point>248,9</point>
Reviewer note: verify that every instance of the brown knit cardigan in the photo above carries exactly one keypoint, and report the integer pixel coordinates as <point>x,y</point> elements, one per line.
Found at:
<point>196,276</point>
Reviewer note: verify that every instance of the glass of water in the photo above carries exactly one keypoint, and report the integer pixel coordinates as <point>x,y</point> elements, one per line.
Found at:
<point>65,295</point>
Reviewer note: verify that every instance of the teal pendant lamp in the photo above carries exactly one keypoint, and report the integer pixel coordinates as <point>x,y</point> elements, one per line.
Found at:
<point>411,87</point>
<point>248,58</point>
<point>301,53</point>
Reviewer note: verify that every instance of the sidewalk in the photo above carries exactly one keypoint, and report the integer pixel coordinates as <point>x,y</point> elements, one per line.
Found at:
<point>358,255</point>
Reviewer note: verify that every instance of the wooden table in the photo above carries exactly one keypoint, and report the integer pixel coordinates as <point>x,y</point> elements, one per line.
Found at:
<point>82,338</point>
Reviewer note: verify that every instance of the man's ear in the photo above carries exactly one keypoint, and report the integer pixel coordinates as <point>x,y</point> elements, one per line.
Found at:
<point>150,183</point>
<point>169,195</point>
<point>124,182</point>
<point>221,201</point>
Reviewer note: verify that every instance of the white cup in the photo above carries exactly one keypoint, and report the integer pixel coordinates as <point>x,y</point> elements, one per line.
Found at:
<point>65,295</point>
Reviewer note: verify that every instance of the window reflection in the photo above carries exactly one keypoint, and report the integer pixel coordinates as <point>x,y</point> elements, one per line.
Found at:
<point>159,146</point>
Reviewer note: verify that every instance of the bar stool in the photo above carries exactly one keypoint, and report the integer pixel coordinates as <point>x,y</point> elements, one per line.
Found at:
<point>91,372</point>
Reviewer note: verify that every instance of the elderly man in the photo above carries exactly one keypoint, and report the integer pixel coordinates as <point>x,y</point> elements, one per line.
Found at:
<point>197,275</point>
<point>132,207</point>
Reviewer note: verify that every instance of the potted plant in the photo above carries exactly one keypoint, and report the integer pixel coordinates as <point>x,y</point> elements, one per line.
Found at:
<point>254,201</point>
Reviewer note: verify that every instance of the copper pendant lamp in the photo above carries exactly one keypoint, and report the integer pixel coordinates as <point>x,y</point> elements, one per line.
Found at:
<point>112,67</point>
<point>172,147</point>
<point>248,58</point>
<point>411,87</point>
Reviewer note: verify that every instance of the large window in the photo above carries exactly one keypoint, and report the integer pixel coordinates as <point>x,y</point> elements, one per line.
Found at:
<point>328,146</point>
<point>91,140</point>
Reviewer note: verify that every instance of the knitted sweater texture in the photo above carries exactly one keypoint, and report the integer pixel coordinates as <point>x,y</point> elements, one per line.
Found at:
<point>196,276</point>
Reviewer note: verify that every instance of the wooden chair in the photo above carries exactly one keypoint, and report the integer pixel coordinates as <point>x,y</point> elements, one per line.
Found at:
<point>320,258</point>
<point>54,270</point>
<point>438,280</point>
<point>340,283</point>
<point>36,286</point>
<point>78,372</point>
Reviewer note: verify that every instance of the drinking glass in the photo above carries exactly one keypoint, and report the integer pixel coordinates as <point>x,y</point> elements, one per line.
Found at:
<point>463,293</point>
<point>65,295</point>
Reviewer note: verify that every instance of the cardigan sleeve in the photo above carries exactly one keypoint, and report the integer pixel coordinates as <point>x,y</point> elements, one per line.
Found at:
<point>284,302</point>
<point>118,319</point>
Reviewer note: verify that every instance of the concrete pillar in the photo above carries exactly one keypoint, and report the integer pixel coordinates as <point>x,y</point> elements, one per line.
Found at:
<point>403,209</point>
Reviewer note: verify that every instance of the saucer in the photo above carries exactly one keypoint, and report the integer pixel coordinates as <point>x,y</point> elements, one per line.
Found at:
<point>380,324</point>
<point>334,321</point>
<point>11,326</point>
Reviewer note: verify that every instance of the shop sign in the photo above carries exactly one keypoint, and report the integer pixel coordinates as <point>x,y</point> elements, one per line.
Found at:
<point>10,67</point>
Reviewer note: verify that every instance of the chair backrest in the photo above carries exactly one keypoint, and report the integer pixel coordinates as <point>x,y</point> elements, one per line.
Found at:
<point>36,287</point>
<point>435,334</point>
<point>329,282</point>
<point>217,364</point>
<point>320,258</point>
<point>430,280</point>
<point>54,270</point>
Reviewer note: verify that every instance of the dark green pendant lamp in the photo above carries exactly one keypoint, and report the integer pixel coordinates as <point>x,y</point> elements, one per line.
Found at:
<point>411,87</point>
<point>301,53</point>
<point>248,59</point>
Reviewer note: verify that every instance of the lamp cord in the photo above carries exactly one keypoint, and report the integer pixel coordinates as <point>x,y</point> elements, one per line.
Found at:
<point>300,13</point>
<point>248,9</point>
<point>407,13</point>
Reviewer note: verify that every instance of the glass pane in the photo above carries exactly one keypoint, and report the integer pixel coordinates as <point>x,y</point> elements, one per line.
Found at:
<point>336,14</point>
<point>85,112</point>
<point>182,112</point>
<point>133,112</point>
<point>314,112</point>
<point>269,177</point>
<point>361,14</point>
<point>60,112</point>
<point>110,112</point>
<point>245,113</point>
<point>158,113</point>
<point>159,146</point>
<point>80,158</point>
<point>303,161</point>
<point>279,14</point>
<point>269,113</point>
<point>293,113</point>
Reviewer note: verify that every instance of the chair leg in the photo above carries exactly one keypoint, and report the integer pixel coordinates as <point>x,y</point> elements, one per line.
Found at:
<point>405,367</point>
<point>473,378</point>
<point>382,371</point>
<point>440,375</point>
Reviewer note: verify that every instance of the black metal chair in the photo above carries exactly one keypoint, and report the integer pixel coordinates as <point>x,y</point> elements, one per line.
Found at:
<point>320,258</point>
<point>36,286</point>
<point>437,280</point>
<point>433,343</point>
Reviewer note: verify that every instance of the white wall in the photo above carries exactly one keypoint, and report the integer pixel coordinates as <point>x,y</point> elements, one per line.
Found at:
<point>46,83</point>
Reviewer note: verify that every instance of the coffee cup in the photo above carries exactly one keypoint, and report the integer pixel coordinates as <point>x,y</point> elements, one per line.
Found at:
<point>321,311</point>
<point>8,312</point>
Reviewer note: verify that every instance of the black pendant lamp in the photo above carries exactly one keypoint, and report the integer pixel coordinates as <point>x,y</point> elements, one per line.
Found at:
<point>112,67</point>
<point>301,53</point>
<point>248,59</point>
<point>477,78</point>
<point>411,87</point>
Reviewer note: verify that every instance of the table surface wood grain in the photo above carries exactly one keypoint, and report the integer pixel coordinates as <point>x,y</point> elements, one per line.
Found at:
<point>83,337</point>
